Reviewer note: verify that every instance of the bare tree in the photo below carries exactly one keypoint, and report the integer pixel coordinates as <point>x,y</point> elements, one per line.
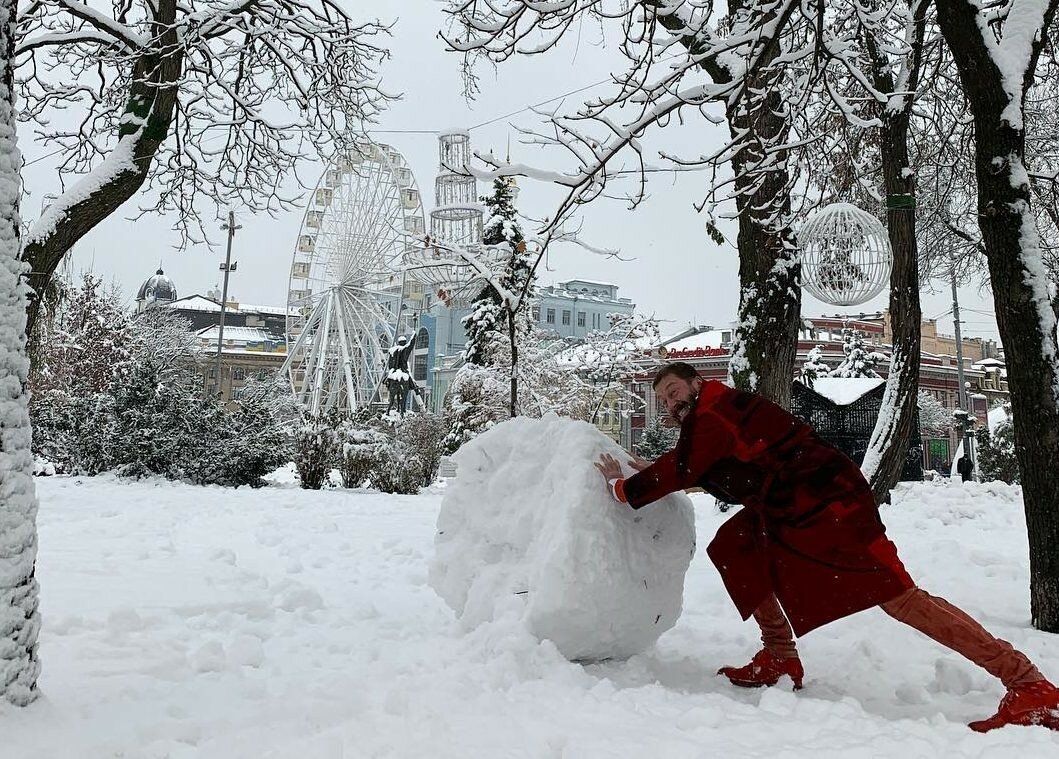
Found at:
<point>683,62</point>
<point>997,50</point>
<point>201,103</point>
<point>19,616</point>
<point>877,60</point>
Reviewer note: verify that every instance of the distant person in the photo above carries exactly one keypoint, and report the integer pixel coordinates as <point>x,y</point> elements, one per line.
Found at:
<point>808,547</point>
<point>965,467</point>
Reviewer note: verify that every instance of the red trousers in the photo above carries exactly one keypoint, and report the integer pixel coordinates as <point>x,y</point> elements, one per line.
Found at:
<point>934,617</point>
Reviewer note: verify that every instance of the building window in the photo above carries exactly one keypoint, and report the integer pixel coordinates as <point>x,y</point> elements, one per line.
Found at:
<point>536,313</point>
<point>419,370</point>
<point>595,321</point>
<point>213,373</point>
<point>566,318</point>
<point>581,318</point>
<point>423,339</point>
<point>551,316</point>
<point>238,373</point>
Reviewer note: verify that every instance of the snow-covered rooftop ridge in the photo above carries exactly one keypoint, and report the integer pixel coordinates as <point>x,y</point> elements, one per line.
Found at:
<point>712,338</point>
<point>580,281</point>
<point>202,303</point>
<point>843,391</point>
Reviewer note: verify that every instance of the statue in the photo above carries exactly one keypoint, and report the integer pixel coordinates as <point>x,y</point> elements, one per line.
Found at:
<point>398,379</point>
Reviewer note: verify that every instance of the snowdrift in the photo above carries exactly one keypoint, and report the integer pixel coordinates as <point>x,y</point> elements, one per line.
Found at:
<point>528,530</point>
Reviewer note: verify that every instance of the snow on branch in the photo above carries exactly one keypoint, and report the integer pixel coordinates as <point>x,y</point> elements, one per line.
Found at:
<point>683,62</point>
<point>223,98</point>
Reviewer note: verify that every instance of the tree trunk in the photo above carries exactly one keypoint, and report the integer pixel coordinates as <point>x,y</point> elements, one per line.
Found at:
<point>890,440</point>
<point>770,297</point>
<point>1023,310</point>
<point>19,617</point>
<point>514,360</point>
<point>152,101</point>
<point>888,448</point>
<point>766,340</point>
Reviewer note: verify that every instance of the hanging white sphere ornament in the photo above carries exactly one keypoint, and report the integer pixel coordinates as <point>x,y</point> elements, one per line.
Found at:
<point>845,255</point>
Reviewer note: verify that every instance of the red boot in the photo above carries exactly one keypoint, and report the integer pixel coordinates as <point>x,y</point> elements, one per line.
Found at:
<point>1033,704</point>
<point>764,669</point>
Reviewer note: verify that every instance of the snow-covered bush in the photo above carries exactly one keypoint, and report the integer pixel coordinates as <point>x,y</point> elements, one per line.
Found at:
<point>240,446</point>
<point>858,361</point>
<point>409,456</point>
<point>423,436</point>
<point>934,419</point>
<point>361,449</point>
<point>996,453</point>
<point>814,367</point>
<point>315,446</point>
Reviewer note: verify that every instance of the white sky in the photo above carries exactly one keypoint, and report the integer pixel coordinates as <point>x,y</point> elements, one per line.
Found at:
<point>675,271</point>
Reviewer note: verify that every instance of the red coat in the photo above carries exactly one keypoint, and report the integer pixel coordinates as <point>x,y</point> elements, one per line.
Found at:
<point>810,532</point>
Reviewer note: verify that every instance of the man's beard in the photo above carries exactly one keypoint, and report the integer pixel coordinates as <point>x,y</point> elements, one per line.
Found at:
<point>682,409</point>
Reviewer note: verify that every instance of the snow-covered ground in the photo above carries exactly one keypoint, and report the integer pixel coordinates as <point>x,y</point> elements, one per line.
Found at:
<point>201,622</point>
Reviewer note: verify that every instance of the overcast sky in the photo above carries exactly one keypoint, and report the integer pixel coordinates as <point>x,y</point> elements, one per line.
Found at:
<point>675,271</point>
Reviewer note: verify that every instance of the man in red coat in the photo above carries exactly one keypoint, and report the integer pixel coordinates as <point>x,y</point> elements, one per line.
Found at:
<point>809,547</point>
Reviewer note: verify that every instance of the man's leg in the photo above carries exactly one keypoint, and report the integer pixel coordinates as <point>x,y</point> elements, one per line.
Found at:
<point>776,634</point>
<point>941,621</point>
<point>1030,700</point>
<point>779,656</point>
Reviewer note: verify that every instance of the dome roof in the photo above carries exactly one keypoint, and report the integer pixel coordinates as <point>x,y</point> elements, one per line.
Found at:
<point>157,287</point>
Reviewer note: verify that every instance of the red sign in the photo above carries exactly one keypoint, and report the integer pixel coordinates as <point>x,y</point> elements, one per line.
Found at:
<point>692,353</point>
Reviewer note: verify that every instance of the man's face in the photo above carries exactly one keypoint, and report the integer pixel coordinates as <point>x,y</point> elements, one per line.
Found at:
<point>678,395</point>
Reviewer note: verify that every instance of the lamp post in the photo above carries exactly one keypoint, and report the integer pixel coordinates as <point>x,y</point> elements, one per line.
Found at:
<point>966,420</point>
<point>227,267</point>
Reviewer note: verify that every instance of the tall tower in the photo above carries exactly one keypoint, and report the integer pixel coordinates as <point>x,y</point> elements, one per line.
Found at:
<point>457,214</point>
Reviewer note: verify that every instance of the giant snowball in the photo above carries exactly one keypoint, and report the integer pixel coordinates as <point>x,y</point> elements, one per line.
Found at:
<point>528,528</point>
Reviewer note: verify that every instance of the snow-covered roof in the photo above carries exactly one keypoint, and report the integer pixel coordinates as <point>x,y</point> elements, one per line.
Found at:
<point>988,363</point>
<point>202,303</point>
<point>843,391</point>
<point>195,303</point>
<point>709,339</point>
<point>238,334</point>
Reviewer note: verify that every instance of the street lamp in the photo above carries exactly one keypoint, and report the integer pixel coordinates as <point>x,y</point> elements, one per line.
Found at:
<point>227,267</point>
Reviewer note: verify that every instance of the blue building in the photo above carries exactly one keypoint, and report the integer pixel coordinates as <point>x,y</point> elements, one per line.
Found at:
<point>570,309</point>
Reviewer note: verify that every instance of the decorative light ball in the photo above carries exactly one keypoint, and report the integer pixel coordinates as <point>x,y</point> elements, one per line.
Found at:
<point>845,255</point>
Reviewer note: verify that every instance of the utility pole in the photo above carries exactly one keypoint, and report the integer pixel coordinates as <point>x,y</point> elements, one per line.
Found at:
<point>966,420</point>
<point>227,267</point>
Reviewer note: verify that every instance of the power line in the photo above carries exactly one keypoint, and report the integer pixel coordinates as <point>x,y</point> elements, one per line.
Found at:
<point>543,102</point>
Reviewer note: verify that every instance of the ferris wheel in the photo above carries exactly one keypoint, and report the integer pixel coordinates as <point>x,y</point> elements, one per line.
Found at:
<point>346,286</point>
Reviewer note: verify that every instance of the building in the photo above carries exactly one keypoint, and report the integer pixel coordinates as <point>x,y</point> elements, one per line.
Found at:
<point>255,340</point>
<point>574,308</point>
<point>157,289</point>
<point>709,350</point>
<point>569,309</point>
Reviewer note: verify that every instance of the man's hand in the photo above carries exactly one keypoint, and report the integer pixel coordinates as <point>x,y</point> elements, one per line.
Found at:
<point>638,464</point>
<point>609,467</point>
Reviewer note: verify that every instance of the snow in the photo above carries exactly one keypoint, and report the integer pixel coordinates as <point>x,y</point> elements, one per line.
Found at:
<point>19,610</point>
<point>529,537</point>
<point>165,634</point>
<point>843,391</point>
<point>1022,30</point>
<point>236,334</point>
<point>117,162</point>
<point>709,339</point>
